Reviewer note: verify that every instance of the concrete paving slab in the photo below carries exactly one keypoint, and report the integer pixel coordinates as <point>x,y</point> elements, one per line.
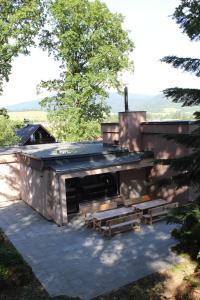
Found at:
<point>76,261</point>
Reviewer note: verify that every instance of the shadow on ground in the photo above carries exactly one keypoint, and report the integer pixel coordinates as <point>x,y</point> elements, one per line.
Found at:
<point>78,262</point>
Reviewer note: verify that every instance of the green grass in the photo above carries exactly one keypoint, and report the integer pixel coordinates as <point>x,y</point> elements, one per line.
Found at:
<point>148,288</point>
<point>33,116</point>
<point>169,115</point>
<point>159,116</point>
<point>158,286</point>
<point>11,274</point>
<point>193,281</point>
<point>41,116</point>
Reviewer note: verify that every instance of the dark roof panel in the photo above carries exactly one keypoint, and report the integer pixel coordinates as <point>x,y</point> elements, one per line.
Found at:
<point>76,166</point>
<point>69,150</point>
<point>25,133</point>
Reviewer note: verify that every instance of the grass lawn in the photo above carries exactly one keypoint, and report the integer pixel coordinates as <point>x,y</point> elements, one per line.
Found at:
<point>33,116</point>
<point>158,286</point>
<point>41,116</point>
<point>17,281</point>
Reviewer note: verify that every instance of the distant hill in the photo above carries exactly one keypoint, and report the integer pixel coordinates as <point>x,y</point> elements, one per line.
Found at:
<point>25,106</point>
<point>139,102</point>
<point>149,103</point>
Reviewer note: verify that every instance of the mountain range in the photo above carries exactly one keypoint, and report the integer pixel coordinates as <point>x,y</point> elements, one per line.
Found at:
<point>157,103</point>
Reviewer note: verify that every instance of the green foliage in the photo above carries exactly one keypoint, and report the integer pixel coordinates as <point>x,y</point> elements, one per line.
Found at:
<point>4,112</point>
<point>193,281</point>
<point>7,132</point>
<point>187,64</point>
<point>19,23</point>
<point>92,48</point>
<point>185,96</point>
<point>69,127</point>
<point>186,169</point>
<point>187,16</point>
<point>13,270</point>
<point>188,233</point>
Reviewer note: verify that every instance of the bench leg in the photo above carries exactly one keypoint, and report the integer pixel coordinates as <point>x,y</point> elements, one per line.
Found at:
<point>144,220</point>
<point>136,227</point>
<point>106,233</point>
<point>110,232</point>
<point>88,224</point>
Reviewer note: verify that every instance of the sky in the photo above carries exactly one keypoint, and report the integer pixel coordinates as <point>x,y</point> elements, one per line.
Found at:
<point>155,35</point>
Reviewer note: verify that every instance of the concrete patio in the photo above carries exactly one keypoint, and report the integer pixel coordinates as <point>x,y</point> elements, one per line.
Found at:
<point>77,261</point>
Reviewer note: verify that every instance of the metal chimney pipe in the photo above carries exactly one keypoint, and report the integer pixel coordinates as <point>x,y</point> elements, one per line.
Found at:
<point>126,98</point>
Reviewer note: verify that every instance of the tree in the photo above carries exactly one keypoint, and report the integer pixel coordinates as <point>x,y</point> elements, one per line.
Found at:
<point>92,48</point>
<point>187,17</point>
<point>20,22</point>
<point>7,132</point>
<point>187,169</point>
<point>4,112</point>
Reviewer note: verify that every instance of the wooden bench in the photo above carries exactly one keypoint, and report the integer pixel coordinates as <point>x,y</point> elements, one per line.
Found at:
<point>88,210</point>
<point>132,201</point>
<point>121,224</point>
<point>158,213</point>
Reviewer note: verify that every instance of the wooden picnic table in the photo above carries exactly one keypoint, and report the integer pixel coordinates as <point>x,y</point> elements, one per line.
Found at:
<point>100,216</point>
<point>150,204</point>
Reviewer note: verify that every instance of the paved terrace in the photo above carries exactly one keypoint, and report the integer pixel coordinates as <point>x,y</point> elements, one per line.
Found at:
<point>77,261</point>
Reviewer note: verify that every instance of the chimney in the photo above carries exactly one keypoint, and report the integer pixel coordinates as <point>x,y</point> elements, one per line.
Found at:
<point>26,122</point>
<point>126,98</point>
<point>129,129</point>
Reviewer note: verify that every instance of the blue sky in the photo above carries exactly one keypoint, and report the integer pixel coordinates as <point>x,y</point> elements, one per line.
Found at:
<point>155,35</point>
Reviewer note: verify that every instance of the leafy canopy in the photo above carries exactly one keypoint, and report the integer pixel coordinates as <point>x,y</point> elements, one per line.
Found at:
<point>4,112</point>
<point>7,132</point>
<point>90,45</point>
<point>20,21</point>
<point>93,49</point>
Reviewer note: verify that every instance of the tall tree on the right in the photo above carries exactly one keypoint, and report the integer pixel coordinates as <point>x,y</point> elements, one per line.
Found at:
<point>187,169</point>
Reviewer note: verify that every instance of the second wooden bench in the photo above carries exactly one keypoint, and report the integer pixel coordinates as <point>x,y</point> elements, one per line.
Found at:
<point>121,224</point>
<point>158,213</point>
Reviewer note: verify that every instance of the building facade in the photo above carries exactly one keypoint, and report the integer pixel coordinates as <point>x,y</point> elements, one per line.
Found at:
<point>59,179</point>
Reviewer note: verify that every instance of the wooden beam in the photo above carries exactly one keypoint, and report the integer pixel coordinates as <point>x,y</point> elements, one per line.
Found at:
<point>63,200</point>
<point>136,165</point>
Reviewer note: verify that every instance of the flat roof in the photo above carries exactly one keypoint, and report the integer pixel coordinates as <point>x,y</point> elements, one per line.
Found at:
<point>96,162</point>
<point>9,150</point>
<point>69,150</point>
<point>91,164</point>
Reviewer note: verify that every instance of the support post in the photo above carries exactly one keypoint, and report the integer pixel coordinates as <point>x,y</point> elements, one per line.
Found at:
<point>63,200</point>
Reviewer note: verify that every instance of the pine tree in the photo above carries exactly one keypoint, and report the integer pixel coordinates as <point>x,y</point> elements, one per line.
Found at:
<point>186,169</point>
